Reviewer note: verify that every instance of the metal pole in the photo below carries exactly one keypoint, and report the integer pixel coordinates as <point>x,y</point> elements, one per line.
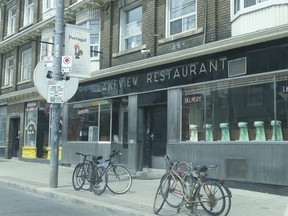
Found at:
<point>55,108</point>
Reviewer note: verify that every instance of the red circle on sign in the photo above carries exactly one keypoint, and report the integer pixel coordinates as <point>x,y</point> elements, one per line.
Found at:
<point>66,60</point>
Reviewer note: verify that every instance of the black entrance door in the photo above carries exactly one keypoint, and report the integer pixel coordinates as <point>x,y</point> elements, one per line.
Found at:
<point>155,120</point>
<point>15,137</point>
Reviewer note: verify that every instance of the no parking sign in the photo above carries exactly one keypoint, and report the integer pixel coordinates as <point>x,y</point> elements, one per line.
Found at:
<point>66,64</point>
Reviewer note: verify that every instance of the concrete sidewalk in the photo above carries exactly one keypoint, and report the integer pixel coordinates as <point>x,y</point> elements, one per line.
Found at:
<point>34,177</point>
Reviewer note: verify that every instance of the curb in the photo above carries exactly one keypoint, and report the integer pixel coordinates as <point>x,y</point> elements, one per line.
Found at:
<point>86,202</point>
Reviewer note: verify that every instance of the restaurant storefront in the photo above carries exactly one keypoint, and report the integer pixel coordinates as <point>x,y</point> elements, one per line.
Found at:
<point>229,108</point>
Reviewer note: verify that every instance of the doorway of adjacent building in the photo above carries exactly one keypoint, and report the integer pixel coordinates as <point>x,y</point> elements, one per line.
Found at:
<point>15,136</point>
<point>155,135</point>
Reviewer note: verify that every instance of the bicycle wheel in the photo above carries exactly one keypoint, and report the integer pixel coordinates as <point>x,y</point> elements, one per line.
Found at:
<point>119,179</point>
<point>175,195</point>
<point>210,195</point>
<point>99,180</point>
<point>227,196</point>
<point>78,177</point>
<point>159,199</point>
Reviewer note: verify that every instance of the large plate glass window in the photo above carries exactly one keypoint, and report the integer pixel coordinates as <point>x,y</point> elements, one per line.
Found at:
<point>255,108</point>
<point>89,121</point>
<point>3,123</point>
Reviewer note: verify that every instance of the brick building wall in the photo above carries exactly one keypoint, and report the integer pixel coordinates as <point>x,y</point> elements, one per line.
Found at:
<point>213,23</point>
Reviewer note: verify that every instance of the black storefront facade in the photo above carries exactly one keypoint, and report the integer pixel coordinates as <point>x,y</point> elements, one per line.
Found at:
<point>224,103</point>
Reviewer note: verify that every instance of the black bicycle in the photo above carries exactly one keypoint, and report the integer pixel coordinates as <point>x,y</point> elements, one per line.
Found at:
<point>119,177</point>
<point>90,171</point>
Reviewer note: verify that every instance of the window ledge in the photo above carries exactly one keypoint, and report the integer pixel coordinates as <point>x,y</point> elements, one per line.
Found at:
<point>6,87</point>
<point>181,35</point>
<point>129,51</point>
<point>24,81</point>
<point>26,26</point>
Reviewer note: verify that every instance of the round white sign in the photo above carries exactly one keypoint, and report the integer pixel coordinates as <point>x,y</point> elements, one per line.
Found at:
<point>43,75</point>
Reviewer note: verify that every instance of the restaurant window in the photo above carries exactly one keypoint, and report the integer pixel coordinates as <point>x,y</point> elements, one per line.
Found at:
<point>89,121</point>
<point>3,123</point>
<point>120,121</point>
<point>245,110</point>
<point>31,115</point>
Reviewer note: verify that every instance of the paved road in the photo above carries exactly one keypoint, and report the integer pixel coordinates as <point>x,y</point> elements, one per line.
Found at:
<point>138,201</point>
<point>15,202</point>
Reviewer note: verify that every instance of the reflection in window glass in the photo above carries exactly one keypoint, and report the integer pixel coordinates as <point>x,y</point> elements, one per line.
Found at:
<point>89,121</point>
<point>232,112</point>
<point>105,115</point>
<point>182,16</point>
<point>131,25</point>
<point>83,121</point>
<point>120,122</point>
<point>31,126</point>
<point>3,122</point>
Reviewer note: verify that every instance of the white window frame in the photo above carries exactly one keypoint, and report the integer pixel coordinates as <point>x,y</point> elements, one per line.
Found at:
<point>48,4</point>
<point>28,12</point>
<point>47,49</point>
<point>26,70</point>
<point>169,19</point>
<point>134,33</point>
<point>93,46</point>
<point>241,9</point>
<point>11,27</point>
<point>9,70</point>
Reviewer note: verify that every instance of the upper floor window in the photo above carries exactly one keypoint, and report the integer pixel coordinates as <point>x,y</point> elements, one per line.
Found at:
<point>94,26</point>
<point>131,28</point>
<point>8,76</point>
<point>48,4</point>
<point>94,38</point>
<point>11,20</point>
<point>47,46</point>
<point>26,71</point>
<point>181,16</point>
<point>241,4</point>
<point>28,12</point>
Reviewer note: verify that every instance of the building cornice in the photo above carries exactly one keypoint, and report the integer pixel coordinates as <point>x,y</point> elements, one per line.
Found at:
<point>35,30</point>
<point>20,96</point>
<point>205,49</point>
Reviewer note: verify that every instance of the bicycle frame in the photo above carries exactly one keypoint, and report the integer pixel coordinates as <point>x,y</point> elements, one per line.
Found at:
<point>187,197</point>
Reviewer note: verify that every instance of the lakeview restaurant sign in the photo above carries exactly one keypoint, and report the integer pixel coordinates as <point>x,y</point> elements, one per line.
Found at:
<point>195,72</point>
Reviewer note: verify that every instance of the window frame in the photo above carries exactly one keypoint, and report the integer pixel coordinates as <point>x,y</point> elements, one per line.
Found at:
<point>26,67</point>
<point>123,23</point>
<point>169,19</point>
<point>28,12</point>
<point>9,71</point>
<point>48,4</point>
<point>93,46</point>
<point>11,25</point>
<point>238,6</point>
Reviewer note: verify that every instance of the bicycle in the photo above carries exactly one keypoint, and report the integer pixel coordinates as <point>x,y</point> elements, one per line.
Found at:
<point>177,192</point>
<point>119,177</point>
<point>90,171</point>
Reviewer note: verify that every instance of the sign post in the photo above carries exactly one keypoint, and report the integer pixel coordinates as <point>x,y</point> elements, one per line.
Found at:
<point>55,110</point>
